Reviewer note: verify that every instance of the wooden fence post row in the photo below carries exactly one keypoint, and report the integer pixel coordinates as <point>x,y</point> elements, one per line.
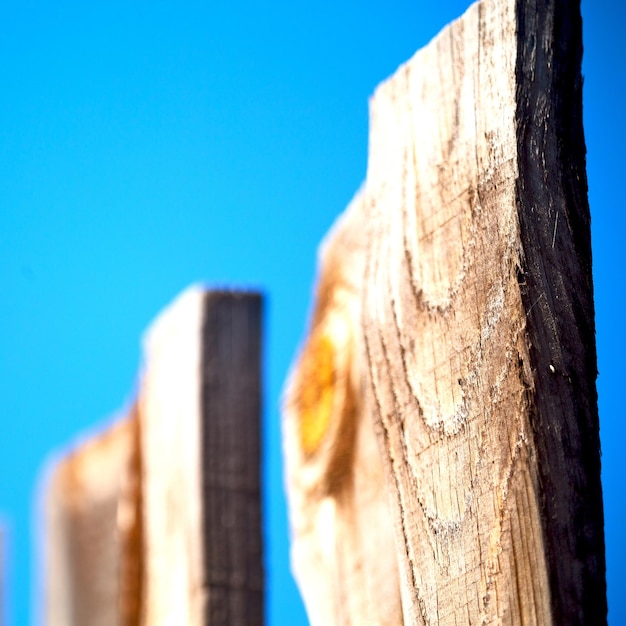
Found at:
<point>441,427</point>
<point>158,520</point>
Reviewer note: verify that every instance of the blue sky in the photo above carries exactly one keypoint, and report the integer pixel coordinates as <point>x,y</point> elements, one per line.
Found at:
<point>145,146</point>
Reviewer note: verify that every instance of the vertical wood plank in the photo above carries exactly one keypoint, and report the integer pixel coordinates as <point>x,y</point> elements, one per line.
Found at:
<point>478,320</point>
<point>474,336</point>
<point>200,432</point>
<point>169,411</point>
<point>445,330</point>
<point>158,519</point>
<point>81,544</point>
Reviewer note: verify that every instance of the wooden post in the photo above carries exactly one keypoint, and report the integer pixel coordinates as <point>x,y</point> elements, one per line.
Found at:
<point>473,340</point>
<point>158,520</point>
<point>82,542</point>
<point>200,429</point>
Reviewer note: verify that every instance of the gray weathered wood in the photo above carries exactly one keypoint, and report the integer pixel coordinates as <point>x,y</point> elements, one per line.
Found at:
<point>470,337</point>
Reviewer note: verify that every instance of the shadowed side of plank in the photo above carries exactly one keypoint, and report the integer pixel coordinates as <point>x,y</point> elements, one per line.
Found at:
<point>231,458</point>
<point>454,310</point>
<point>556,287</point>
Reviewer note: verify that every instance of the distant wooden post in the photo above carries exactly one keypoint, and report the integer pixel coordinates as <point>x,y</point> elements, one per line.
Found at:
<point>200,431</point>
<point>83,548</point>
<point>158,520</point>
<point>471,342</point>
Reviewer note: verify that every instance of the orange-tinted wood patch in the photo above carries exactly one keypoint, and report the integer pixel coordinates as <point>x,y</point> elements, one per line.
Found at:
<point>316,391</point>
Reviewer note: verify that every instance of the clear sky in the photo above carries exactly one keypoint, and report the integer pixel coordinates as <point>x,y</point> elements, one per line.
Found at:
<point>145,146</point>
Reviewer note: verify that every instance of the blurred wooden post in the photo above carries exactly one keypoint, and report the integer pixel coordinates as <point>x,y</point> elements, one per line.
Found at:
<point>82,543</point>
<point>455,296</point>
<point>199,411</point>
<point>158,520</point>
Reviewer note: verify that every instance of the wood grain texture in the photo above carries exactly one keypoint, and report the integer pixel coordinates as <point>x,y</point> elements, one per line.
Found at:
<point>444,326</point>
<point>483,399</point>
<point>557,291</point>
<point>454,324</point>
<point>343,551</point>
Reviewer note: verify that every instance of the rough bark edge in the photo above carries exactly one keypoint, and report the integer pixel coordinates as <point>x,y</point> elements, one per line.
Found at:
<point>557,292</point>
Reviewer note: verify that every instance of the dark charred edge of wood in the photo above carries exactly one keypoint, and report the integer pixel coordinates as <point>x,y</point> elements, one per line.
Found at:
<point>557,292</point>
<point>231,459</point>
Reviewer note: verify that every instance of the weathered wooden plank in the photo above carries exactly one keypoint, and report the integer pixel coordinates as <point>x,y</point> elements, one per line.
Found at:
<point>200,432</point>
<point>169,409</point>
<point>444,326</point>
<point>158,520</point>
<point>557,293</point>
<point>82,541</point>
<point>469,331</point>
